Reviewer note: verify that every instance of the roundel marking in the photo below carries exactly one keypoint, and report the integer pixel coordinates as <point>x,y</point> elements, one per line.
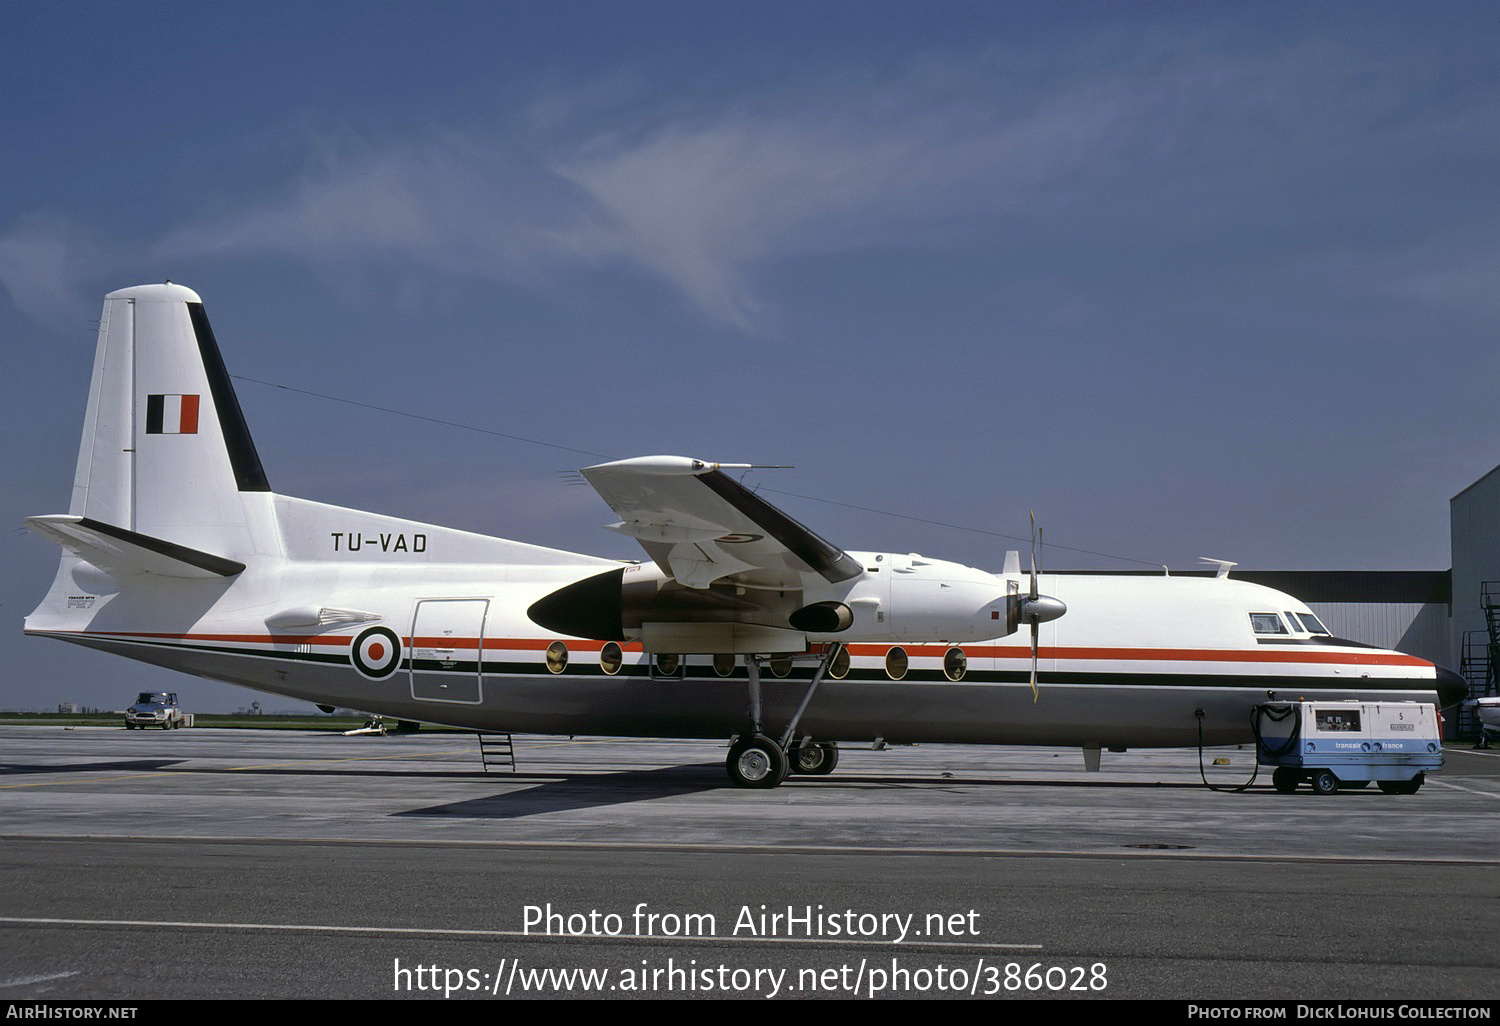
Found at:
<point>738,539</point>
<point>376,652</point>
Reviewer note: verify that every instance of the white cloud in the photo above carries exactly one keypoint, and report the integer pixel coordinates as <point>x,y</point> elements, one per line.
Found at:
<point>699,203</point>
<point>37,261</point>
<point>1182,142</point>
<point>1469,283</point>
<point>697,199</point>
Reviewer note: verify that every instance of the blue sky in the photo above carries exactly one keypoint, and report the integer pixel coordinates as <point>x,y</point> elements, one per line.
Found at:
<point>1187,279</point>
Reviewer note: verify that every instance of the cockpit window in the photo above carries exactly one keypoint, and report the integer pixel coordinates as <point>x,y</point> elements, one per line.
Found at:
<point>1313,624</point>
<point>1267,623</point>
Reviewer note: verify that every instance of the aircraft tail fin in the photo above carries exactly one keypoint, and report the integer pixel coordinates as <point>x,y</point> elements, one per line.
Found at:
<point>169,481</point>
<point>166,455</point>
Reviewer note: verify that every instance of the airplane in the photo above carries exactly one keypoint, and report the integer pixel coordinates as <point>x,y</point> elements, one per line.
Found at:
<point>742,624</point>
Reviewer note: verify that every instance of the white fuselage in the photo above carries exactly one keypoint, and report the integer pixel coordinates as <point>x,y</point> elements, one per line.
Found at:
<point>177,552</point>
<point>1130,664</point>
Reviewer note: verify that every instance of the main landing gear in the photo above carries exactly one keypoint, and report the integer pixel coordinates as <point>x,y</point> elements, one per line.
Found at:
<point>756,760</point>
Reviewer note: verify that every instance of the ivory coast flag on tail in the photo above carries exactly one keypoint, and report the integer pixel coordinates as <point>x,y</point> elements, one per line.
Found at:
<point>171,415</point>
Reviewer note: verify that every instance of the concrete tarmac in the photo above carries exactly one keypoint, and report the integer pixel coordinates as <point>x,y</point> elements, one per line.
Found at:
<point>218,863</point>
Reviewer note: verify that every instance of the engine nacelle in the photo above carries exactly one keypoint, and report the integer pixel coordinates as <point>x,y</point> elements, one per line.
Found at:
<point>614,605</point>
<point>823,618</point>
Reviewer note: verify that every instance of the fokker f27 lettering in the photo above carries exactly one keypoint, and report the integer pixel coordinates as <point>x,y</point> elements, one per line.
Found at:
<point>744,624</point>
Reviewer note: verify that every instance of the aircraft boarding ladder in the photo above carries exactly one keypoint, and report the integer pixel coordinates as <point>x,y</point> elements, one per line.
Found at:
<point>496,750</point>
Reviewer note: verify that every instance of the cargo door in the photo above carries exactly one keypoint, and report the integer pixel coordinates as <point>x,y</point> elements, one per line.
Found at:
<point>447,650</point>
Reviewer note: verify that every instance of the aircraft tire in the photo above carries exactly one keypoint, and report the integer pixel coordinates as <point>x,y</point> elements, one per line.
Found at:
<point>1324,782</point>
<point>1285,779</point>
<point>756,762</point>
<point>815,758</point>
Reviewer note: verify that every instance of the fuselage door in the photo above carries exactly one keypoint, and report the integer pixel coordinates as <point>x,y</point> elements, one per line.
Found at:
<point>447,650</point>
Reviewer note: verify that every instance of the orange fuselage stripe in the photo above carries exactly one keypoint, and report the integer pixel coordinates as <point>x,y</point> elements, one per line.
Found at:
<point>1204,655</point>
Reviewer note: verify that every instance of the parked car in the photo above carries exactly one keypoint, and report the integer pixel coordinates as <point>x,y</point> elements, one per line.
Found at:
<point>156,709</point>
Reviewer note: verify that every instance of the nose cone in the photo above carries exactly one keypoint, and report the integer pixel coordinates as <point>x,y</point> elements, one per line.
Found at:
<point>1451,687</point>
<point>590,608</point>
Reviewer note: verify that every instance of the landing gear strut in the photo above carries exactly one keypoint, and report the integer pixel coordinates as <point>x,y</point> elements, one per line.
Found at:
<point>756,760</point>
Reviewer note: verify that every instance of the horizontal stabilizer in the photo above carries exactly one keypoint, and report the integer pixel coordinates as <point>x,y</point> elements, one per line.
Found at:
<point>120,552</point>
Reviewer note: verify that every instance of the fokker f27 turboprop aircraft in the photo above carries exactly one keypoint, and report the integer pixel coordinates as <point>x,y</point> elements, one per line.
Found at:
<point>177,552</point>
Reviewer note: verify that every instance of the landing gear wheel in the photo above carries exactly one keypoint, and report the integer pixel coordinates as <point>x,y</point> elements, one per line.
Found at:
<point>1324,782</point>
<point>1285,779</point>
<point>815,758</point>
<point>756,762</point>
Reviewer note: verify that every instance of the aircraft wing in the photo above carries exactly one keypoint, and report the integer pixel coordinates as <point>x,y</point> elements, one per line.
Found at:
<point>702,526</point>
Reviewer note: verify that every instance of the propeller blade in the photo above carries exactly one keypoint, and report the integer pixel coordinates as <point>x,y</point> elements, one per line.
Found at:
<point>1035,626</point>
<point>1033,554</point>
<point>1035,630</point>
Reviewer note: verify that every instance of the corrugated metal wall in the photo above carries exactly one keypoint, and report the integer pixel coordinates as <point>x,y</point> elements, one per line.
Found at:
<point>1416,628</point>
<point>1474,514</point>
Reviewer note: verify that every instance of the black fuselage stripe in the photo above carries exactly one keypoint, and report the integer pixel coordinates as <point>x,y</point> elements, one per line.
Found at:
<point>501,669</point>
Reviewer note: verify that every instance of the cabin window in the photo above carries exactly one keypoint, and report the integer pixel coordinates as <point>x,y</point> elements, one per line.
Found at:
<point>724,663</point>
<point>781,665</point>
<point>1267,623</point>
<point>611,658</point>
<point>955,664</point>
<point>838,668</point>
<point>896,663</point>
<point>1313,624</point>
<point>557,657</point>
<point>667,663</point>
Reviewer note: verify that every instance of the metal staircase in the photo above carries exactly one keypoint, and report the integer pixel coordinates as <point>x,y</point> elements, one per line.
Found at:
<point>1481,657</point>
<point>496,750</point>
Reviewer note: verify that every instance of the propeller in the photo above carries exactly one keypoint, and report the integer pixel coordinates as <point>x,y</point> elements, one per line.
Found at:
<point>1037,609</point>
